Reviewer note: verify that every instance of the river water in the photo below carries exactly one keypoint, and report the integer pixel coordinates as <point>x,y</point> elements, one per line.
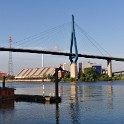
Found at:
<point>82,103</point>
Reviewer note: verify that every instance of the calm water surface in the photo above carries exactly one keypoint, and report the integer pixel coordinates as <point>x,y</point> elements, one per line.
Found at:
<point>82,103</point>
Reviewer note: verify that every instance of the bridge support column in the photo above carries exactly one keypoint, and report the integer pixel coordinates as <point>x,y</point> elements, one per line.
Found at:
<point>73,70</point>
<point>109,65</point>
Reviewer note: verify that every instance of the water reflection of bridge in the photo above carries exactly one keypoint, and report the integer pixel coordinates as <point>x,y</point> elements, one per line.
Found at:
<point>86,92</point>
<point>81,95</point>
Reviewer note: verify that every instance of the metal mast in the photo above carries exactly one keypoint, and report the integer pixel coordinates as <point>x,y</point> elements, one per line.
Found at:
<point>10,64</point>
<point>42,60</point>
<point>73,42</point>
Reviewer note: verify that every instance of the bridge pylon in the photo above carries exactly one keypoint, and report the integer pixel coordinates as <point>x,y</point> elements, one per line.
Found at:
<point>109,65</point>
<point>73,58</point>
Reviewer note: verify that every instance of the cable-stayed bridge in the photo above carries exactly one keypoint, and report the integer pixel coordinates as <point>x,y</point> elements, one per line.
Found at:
<point>59,53</point>
<point>57,38</point>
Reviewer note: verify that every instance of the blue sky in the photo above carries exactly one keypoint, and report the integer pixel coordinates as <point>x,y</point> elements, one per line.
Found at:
<point>102,19</point>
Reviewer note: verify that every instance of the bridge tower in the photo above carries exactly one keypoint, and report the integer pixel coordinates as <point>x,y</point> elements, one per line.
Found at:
<point>109,65</point>
<point>10,63</point>
<point>73,58</point>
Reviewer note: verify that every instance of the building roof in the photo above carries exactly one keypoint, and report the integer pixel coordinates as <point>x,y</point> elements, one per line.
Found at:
<point>3,74</point>
<point>35,72</point>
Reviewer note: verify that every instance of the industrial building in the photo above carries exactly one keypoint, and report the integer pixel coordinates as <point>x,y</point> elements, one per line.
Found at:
<point>66,66</point>
<point>35,72</point>
<point>85,64</point>
<point>38,73</point>
<point>98,68</point>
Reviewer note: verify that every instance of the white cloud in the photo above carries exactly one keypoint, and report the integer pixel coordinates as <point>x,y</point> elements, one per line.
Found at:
<point>55,48</point>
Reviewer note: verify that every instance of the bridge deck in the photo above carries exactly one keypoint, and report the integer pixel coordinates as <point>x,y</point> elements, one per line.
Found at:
<point>59,53</point>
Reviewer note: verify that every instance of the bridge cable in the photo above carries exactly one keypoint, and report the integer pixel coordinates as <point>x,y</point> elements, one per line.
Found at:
<point>36,36</point>
<point>89,38</point>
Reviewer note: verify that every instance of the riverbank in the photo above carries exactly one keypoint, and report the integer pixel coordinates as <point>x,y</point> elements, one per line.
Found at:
<point>118,78</point>
<point>27,80</point>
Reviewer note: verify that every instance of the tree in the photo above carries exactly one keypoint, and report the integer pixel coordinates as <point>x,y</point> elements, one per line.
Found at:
<point>48,76</point>
<point>90,74</point>
<point>67,75</point>
<point>103,77</point>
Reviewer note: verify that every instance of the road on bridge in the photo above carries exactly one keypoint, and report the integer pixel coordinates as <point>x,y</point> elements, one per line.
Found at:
<point>59,53</point>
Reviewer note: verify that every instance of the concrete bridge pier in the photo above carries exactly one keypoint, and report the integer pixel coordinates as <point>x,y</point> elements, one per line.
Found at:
<point>109,66</point>
<point>73,70</point>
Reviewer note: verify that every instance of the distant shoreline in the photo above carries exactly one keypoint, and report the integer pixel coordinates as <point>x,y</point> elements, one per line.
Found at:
<point>35,80</point>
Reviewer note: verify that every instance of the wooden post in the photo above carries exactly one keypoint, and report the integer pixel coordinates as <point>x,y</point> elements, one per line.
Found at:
<point>57,113</point>
<point>56,84</point>
<point>4,81</point>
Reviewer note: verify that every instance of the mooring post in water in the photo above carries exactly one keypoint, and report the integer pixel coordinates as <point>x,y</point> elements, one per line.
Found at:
<point>43,89</point>
<point>4,81</point>
<point>56,84</point>
<point>57,113</point>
